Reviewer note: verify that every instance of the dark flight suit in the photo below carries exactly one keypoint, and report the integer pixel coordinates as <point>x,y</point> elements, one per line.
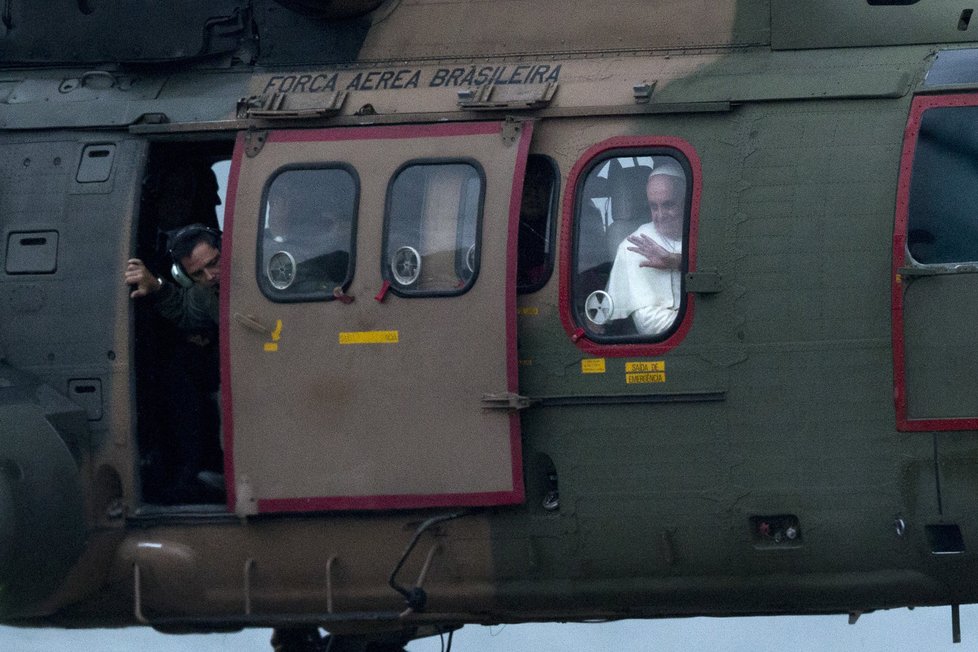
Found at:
<point>191,375</point>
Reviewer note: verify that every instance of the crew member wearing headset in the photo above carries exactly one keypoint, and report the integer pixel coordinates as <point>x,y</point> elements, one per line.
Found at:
<point>196,253</point>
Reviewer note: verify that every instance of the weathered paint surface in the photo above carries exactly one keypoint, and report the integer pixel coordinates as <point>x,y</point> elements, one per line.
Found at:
<point>677,470</point>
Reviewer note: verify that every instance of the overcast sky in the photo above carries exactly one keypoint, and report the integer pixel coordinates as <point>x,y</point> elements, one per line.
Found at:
<point>890,631</point>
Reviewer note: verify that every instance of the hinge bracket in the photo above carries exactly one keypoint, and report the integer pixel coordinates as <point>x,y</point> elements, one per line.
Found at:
<point>254,141</point>
<point>506,401</point>
<point>291,106</point>
<point>642,93</point>
<point>493,97</point>
<point>511,130</point>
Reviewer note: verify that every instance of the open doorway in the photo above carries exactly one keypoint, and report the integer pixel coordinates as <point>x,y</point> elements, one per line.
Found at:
<point>177,369</point>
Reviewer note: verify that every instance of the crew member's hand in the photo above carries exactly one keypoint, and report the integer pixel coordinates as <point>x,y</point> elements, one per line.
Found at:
<point>655,254</point>
<point>139,276</point>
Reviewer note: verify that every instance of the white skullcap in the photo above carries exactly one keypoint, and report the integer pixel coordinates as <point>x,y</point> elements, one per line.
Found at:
<point>668,166</point>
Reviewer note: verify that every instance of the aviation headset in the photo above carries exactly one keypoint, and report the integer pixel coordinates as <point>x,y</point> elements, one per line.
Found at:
<point>182,241</point>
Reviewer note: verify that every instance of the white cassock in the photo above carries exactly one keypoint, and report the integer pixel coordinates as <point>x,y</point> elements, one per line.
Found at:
<point>650,296</point>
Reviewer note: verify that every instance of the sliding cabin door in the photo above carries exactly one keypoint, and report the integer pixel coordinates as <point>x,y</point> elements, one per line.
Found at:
<point>368,318</point>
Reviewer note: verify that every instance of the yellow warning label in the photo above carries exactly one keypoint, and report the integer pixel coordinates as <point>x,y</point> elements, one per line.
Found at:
<point>592,366</point>
<point>655,366</point>
<point>271,347</point>
<point>530,311</point>
<point>633,379</point>
<point>369,337</point>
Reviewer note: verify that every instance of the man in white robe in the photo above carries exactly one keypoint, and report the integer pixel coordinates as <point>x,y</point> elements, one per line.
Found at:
<point>646,279</point>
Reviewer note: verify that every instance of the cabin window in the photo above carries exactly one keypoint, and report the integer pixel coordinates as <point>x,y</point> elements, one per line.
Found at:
<point>942,222</point>
<point>306,245</point>
<point>535,261</point>
<point>630,245</point>
<point>431,230</point>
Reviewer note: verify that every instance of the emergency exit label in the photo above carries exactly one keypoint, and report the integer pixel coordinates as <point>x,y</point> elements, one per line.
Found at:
<point>657,366</point>
<point>645,372</point>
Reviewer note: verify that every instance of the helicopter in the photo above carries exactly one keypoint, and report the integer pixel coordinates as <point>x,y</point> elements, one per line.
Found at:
<point>528,312</point>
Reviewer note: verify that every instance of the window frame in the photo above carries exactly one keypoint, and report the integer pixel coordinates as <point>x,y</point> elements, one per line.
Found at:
<point>624,146</point>
<point>900,257</point>
<point>261,278</point>
<point>385,271</point>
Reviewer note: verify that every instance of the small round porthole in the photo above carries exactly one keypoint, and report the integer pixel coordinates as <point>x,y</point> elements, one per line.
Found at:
<point>406,265</point>
<point>281,270</point>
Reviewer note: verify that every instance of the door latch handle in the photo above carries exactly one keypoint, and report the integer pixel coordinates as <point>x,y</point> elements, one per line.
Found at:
<point>252,324</point>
